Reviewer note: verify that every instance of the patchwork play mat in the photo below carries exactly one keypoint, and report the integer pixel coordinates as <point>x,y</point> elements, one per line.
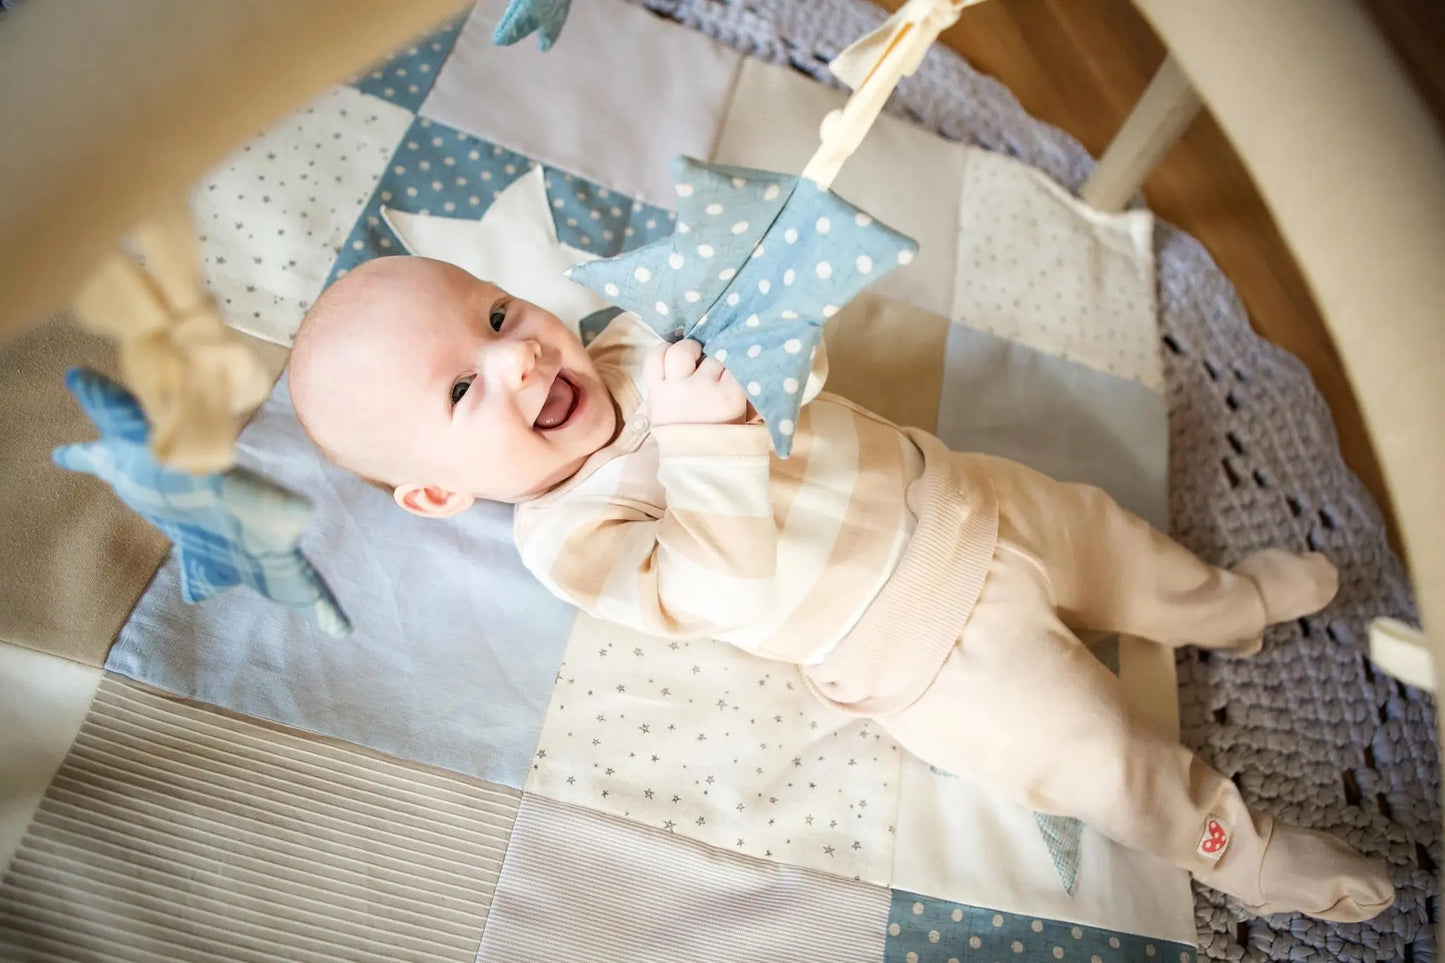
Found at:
<point>478,771</point>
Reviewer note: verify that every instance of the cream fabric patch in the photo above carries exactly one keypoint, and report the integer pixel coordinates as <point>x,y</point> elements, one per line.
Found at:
<point>1037,266</point>
<point>514,245</point>
<point>904,176</point>
<point>705,741</point>
<point>888,357</point>
<point>961,842</point>
<point>272,216</point>
<point>619,95</point>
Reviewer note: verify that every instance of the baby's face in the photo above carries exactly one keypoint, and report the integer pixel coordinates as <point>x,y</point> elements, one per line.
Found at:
<point>426,376</point>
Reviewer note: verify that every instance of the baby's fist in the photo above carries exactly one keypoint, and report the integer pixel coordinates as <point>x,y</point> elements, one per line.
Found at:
<point>684,388</point>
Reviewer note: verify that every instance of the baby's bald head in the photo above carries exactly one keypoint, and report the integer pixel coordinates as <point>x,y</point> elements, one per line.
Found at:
<point>411,371</point>
<point>346,347</point>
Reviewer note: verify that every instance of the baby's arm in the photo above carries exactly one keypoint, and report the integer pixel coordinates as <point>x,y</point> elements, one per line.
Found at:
<point>706,564</point>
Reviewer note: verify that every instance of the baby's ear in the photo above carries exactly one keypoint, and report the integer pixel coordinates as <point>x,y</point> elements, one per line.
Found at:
<point>429,501</point>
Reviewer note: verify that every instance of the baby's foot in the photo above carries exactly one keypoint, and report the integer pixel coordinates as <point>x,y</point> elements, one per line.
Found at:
<point>1290,586</point>
<point>1312,873</point>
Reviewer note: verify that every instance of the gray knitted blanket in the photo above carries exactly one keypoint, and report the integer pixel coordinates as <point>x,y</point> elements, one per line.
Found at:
<point>1314,734</point>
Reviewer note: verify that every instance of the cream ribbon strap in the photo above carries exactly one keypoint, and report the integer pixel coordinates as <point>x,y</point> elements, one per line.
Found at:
<point>1403,652</point>
<point>873,65</point>
<point>193,376</point>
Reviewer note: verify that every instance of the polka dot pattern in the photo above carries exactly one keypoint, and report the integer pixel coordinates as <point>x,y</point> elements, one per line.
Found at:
<point>592,218</point>
<point>407,77</point>
<point>704,741</point>
<point>765,302</point>
<point>436,170</point>
<point>442,171</point>
<point>927,930</point>
<point>1037,267</point>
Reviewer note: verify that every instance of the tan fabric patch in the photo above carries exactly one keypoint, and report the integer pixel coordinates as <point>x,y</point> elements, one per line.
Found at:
<point>888,357</point>
<point>73,558</point>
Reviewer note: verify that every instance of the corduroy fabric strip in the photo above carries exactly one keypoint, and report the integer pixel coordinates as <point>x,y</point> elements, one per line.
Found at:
<point>174,831</point>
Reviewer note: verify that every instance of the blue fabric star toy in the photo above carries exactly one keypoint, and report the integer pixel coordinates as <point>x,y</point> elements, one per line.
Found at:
<point>229,529</point>
<point>522,17</point>
<point>758,261</point>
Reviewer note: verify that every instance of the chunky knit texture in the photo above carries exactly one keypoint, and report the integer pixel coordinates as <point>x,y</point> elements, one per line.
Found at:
<point>1316,735</point>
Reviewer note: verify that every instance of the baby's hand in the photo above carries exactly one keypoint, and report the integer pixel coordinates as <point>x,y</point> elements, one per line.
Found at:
<point>684,388</point>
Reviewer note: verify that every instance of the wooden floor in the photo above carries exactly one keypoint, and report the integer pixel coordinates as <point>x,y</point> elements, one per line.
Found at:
<point>1081,65</point>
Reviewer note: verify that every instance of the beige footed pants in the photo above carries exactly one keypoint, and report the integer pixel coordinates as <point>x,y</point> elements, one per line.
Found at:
<point>1020,705</point>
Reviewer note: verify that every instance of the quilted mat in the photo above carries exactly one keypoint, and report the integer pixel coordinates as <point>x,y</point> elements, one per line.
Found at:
<point>479,772</point>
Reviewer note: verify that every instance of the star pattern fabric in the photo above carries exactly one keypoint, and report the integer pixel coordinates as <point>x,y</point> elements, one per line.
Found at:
<point>230,528</point>
<point>757,262</point>
<point>522,17</point>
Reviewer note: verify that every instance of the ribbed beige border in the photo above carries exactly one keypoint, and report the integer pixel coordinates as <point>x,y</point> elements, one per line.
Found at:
<point>174,831</point>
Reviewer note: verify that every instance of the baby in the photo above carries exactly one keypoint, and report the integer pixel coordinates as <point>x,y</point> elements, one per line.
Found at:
<point>934,591</point>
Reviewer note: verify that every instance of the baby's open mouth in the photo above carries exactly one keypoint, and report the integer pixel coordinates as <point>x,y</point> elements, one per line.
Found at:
<point>561,403</point>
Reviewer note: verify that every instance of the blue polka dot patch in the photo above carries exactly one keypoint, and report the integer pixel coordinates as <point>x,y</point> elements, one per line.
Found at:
<point>593,218</point>
<point>437,170</point>
<point>442,171</point>
<point>407,77</point>
<point>926,930</point>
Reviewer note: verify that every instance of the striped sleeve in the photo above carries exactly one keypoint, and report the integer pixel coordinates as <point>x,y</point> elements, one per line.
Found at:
<point>701,567</point>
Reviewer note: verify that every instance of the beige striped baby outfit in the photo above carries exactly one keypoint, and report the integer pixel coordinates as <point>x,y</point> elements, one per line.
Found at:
<point>939,593</point>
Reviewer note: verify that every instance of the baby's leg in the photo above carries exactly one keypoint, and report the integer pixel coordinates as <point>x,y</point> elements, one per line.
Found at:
<point>1112,570</point>
<point>1022,707</point>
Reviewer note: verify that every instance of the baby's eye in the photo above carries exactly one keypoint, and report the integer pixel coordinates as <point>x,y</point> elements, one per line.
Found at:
<point>499,316</point>
<point>459,389</point>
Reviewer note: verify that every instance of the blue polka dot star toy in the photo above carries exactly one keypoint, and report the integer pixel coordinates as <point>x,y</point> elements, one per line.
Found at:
<point>522,17</point>
<point>229,529</point>
<point>758,261</point>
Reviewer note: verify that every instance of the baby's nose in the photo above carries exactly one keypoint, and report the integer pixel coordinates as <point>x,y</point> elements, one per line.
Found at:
<point>511,363</point>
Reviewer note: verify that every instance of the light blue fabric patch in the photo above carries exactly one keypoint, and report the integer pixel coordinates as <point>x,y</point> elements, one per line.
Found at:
<point>441,171</point>
<point>231,528</point>
<point>757,262</point>
<point>522,17</point>
<point>407,77</point>
<point>455,646</point>
<point>922,929</point>
<point>1069,421</point>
